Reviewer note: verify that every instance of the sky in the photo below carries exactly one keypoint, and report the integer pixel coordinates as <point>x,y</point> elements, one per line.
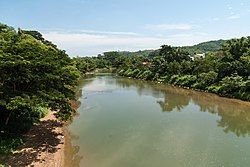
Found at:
<point>90,27</point>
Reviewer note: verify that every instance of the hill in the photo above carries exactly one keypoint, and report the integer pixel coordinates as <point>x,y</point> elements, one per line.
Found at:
<point>204,47</point>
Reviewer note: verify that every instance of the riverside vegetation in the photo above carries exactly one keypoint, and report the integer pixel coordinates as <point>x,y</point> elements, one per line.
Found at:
<point>225,70</point>
<point>36,76</point>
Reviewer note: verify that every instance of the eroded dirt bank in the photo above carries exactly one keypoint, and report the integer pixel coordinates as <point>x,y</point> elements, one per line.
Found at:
<point>44,145</point>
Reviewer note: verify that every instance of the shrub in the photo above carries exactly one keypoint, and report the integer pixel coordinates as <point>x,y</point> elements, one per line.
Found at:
<point>244,92</point>
<point>243,95</point>
<point>65,113</point>
<point>139,74</point>
<point>205,80</point>
<point>121,72</point>
<point>128,73</point>
<point>18,115</point>
<point>9,143</point>
<point>145,75</point>
<point>173,79</point>
<point>214,88</point>
<point>42,111</point>
<point>156,77</point>
<point>134,73</point>
<point>186,80</point>
<point>166,78</point>
<point>231,85</point>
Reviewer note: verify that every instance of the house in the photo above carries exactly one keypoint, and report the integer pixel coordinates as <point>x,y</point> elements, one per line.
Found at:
<point>145,63</point>
<point>200,56</point>
<point>197,56</point>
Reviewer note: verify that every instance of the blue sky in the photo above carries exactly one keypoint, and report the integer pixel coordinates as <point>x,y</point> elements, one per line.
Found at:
<point>89,27</point>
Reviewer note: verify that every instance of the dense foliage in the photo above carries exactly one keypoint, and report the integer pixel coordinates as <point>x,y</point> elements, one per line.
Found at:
<point>34,76</point>
<point>89,64</point>
<point>225,71</point>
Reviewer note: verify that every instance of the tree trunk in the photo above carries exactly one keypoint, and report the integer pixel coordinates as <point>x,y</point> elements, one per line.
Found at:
<point>14,87</point>
<point>7,119</point>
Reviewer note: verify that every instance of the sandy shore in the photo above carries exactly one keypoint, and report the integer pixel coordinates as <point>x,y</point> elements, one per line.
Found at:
<point>44,145</point>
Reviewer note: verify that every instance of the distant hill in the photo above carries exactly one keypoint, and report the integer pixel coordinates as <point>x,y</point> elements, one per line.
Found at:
<point>143,53</point>
<point>204,47</point>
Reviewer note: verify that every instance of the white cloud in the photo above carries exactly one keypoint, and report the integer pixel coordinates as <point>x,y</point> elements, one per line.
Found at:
<point>85,31</point>
<point>229,7</point>
<point>234,17</point>
<point>108,32</point>
<point>84,44</point>
<point>170,27</point>
<point>215,19</point>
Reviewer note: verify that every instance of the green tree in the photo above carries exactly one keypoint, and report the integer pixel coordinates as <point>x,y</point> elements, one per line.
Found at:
<point>32,75</point>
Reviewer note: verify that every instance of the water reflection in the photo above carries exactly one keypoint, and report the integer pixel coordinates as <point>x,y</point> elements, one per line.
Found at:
<point>72,156</point>
<point>234,114</point>
<point>173,102</point>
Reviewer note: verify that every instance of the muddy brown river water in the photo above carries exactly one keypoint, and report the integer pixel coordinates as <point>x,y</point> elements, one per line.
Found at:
<point>129,123</point>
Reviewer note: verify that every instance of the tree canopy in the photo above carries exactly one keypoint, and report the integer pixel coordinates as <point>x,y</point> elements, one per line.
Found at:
<point>34,74</point>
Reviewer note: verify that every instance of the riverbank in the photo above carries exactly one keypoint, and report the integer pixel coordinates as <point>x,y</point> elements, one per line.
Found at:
<point>183,86</point>
<point>43,147</point>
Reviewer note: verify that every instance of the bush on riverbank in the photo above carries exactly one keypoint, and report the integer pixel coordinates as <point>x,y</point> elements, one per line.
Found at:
<point>8,144</point>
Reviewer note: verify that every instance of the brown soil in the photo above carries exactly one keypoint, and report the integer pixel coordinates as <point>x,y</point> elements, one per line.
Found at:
<point>44,145</point>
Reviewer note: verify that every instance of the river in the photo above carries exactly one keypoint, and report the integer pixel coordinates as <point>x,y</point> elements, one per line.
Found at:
<point>130,123</point>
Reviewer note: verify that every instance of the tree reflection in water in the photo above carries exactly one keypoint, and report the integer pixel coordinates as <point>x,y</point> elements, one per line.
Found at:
<point>72,156</point>
<point>234,114</point>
